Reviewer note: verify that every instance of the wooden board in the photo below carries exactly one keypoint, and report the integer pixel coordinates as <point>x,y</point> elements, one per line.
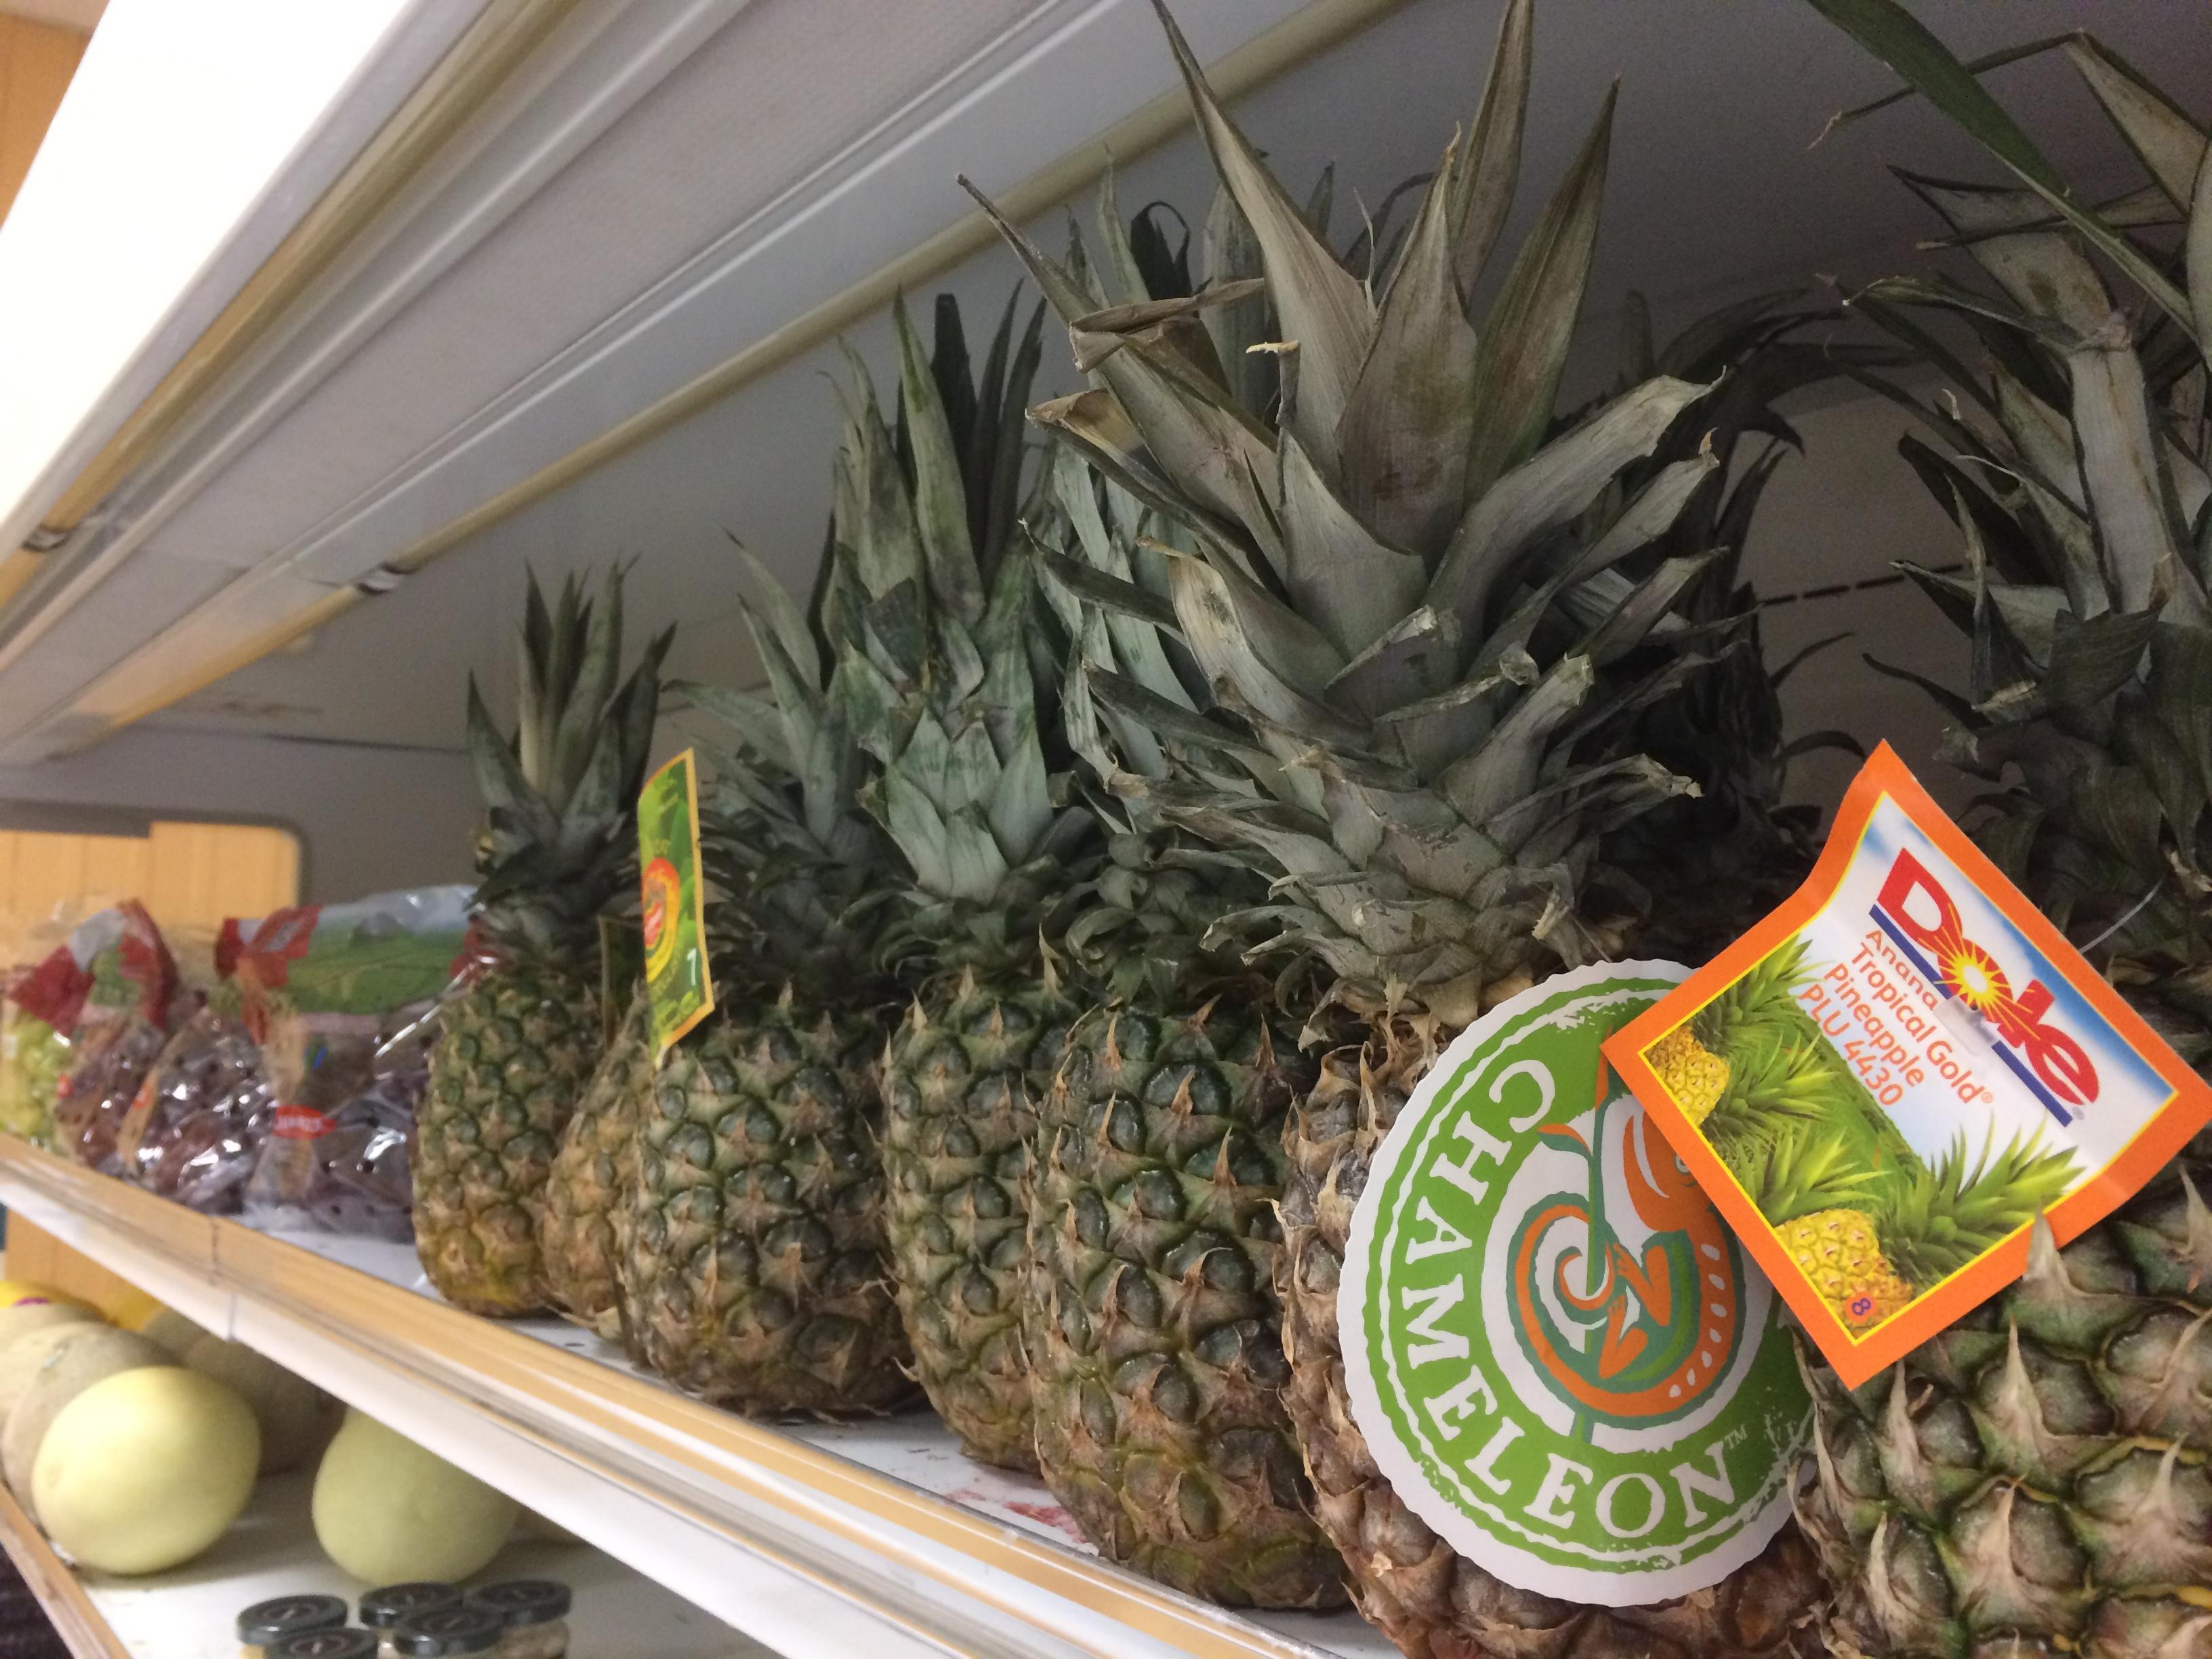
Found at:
<point>189,876</point>
<point>37,61</point>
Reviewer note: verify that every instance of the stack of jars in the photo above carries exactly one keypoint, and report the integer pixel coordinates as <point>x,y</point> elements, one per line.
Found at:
<point>519,1619</point>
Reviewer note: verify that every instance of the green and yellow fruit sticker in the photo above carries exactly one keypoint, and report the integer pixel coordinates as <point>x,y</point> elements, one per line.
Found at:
<point>1560,1357</point>
<point>674,911</point>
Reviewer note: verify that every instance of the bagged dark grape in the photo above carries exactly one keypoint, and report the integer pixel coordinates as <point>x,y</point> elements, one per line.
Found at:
<point>95,1097</point>
<point>110,994</point>
<point>342,1163</point>
<point>343,997</point>
<point>197,1125</point>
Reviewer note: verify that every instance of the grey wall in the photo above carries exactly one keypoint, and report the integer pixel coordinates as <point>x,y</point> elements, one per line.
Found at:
<point>368,818</point>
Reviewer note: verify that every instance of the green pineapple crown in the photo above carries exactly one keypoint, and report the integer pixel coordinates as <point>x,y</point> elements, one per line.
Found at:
<point>798,866</point>
<point>2074,462</point>
<point>938,672</point>
<point>1931,1223</point>
<point>1734,843</point>
<point>1779,1070</point>
<point>1391,573</point>
<point>559,846</point>
<point>1146,917</point>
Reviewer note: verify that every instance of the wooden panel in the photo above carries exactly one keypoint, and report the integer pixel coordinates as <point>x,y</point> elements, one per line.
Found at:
<point>36,62</point>
<point>35,1256</point>
<point>115,869</point>
<point>190,876</point>
<point>199,873</point>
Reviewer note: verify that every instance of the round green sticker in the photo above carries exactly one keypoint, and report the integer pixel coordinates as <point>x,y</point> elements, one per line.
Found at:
<point>1560,1355</point>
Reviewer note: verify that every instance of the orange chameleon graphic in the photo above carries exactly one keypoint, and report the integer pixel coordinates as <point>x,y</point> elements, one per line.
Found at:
<point>1630,1339</point>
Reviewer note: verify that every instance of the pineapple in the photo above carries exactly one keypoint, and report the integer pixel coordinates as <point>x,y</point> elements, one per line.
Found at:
<point>1427,644</point>
<point>755,1264</point>
<point>1802,1183</point>
<point>1154,1335</point>
<point>755,1273</point>
<point>591,1172</point>
<point>1840,1251</point>
<point>2034,1480</point>
<point>1694,1074</point>
<point>521,1038</point>
<point>935,676</point>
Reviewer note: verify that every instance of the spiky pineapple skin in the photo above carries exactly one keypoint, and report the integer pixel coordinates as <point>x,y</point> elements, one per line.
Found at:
<point>1155,1338</point>
<point>517,1051</point>
<point>755,1254</point>
<point>963,1074</point>
<point>2033,1481</point>
<point>1432,1601</point>
<point>592,1175</point>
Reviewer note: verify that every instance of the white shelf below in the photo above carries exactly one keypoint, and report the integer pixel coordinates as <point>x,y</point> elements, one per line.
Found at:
<point>192,1614</point>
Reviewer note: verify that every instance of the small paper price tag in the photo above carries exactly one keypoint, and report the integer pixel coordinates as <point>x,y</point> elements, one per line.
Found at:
<point>674,909</point>
<point>1886,1081</point>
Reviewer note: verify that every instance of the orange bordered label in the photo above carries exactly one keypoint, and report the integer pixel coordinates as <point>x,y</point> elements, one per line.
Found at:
<point>1886,1082</point>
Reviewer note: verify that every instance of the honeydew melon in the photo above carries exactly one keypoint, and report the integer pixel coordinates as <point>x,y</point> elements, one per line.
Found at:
<point>23,1318</point>
<point>66,1372</point>
<point>145,1469</point>
<point>23,1358</point>
<point>387,1511</point>
<point>297,1418</point>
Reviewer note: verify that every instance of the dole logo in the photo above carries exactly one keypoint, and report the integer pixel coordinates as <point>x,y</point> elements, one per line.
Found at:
<point>1915,911</point>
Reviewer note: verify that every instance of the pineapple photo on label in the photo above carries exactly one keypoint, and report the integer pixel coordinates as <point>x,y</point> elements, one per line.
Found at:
<point>521,1038</point>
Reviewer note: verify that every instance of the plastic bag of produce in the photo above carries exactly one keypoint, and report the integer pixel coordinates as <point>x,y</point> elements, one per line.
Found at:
<point>111,996</point>
<point>33,1058</point>
<point>345,998</point>
<point>199,1119</point>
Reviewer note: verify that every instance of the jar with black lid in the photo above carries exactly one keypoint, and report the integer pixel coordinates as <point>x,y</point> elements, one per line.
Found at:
<point>388,1607</point>
<point>537,1614</point>
<point>266,1622</point>
<point>324,1644</point>
<point>448,1633</point>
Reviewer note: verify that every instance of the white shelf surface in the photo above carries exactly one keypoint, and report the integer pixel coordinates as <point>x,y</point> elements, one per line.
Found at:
<point>876,1538</point>
<point>192,1612</point>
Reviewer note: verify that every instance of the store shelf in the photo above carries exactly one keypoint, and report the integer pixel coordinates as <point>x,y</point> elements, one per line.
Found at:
<point>191,1613</point>
<point>878,1537</point>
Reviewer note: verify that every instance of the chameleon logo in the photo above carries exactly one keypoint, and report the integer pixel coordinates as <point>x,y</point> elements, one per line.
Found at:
<point>1629,1333</point>
<point>1560,1358</point>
